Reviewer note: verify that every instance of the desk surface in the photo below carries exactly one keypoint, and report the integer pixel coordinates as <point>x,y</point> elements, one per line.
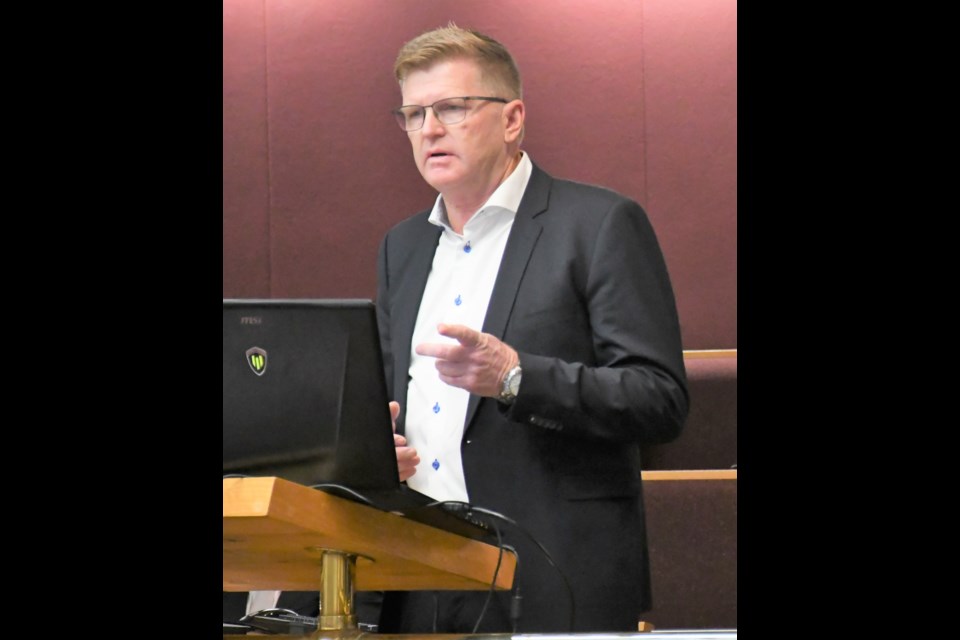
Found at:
<point>274,532</point>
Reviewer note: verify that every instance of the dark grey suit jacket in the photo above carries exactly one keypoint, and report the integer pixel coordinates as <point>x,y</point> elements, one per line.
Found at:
<point>584,296</point>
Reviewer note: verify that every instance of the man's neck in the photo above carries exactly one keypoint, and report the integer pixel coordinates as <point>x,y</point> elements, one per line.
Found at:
<point>460,208</point>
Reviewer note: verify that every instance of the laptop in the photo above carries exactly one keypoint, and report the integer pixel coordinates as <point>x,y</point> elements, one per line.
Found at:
<point>305,399</point>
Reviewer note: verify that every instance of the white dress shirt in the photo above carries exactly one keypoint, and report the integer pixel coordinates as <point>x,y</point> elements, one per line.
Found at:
<point>461,279</point>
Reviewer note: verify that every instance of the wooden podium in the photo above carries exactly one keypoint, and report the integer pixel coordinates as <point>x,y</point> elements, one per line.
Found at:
<point>282,535</point>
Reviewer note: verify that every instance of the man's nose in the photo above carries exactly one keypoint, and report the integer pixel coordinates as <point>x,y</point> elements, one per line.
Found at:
<point>431,124</point>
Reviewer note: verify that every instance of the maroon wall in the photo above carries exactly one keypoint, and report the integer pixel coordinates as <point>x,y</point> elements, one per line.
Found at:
<point>637,95</point>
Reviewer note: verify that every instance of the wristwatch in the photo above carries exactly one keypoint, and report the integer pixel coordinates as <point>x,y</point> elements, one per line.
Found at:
<point>510,386</point>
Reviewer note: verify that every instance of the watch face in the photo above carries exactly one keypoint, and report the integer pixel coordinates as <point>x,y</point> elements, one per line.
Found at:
<point>511,383</point>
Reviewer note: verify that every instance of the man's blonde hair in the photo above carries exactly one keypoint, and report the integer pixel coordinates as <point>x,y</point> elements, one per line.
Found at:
<point>498,70</point>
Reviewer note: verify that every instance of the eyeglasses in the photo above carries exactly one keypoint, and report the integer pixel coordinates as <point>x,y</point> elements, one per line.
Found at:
<point>410,117</point>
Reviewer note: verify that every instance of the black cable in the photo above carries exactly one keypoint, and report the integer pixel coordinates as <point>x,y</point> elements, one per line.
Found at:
<point>493,514</point>
<point>545,553</point>
<point>493,582</point>
<point>323,486</point>
<point>515,602</point>
<point>463,506</point>
<point>339,487</point>
<point>516,599</point>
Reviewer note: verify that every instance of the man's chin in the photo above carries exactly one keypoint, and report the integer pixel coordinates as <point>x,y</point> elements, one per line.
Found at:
<point>439,180</point>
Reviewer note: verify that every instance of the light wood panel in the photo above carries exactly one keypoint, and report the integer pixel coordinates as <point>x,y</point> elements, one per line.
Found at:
<point>710,353</point>
<point>274,532</point>
<point>693,474</point>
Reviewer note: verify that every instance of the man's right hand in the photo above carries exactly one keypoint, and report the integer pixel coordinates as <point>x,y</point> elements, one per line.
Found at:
<point>407,458</point>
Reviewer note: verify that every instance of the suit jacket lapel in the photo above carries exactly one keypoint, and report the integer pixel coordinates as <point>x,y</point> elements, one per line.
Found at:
<point>523,237</point>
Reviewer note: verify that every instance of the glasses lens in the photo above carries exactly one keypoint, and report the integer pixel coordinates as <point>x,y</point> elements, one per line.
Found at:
<point>409,118</point>
<point>451,110</point>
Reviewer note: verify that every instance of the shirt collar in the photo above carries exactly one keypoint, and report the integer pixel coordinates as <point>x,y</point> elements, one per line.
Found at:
<point>507,196</point>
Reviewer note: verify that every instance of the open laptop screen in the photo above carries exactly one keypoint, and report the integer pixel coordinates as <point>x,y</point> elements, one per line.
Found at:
<point>304,396</point>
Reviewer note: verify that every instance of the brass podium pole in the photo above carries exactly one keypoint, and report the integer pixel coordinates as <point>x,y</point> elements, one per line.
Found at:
<point>338,570</point>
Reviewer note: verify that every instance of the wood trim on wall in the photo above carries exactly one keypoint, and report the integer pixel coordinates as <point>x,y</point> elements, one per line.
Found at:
<point>710,353</point>
<point>699,474</point>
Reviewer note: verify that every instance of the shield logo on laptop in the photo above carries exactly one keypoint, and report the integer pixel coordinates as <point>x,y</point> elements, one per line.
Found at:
<point>257,359</point>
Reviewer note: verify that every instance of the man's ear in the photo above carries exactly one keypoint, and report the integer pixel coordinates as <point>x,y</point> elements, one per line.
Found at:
<point>513,118</point>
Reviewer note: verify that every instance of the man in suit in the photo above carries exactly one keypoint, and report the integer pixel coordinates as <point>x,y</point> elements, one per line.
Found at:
<point>532,345</point>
